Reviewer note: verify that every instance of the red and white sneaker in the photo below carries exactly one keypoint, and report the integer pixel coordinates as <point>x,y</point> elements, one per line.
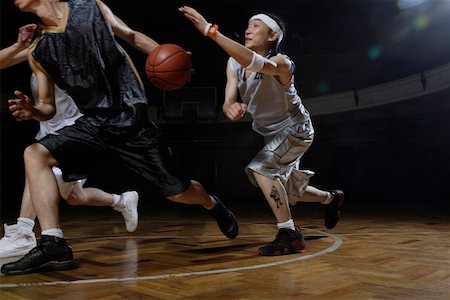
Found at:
<point>287,241</point>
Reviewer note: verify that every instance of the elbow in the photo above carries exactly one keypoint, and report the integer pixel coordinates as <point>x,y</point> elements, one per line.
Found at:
<point>49,114</point>
<point>45,115</point>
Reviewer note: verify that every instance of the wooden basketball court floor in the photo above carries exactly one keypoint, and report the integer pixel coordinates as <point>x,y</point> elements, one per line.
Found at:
<point>186,257</point>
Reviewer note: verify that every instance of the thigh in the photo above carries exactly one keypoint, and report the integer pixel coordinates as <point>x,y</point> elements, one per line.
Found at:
<point>78,149</point>
<point>290,145</point>
<point>281,153</point>
<point>147,156</point>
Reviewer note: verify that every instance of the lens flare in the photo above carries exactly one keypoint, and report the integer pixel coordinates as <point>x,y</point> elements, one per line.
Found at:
<point>405,4</point>
<point>421,21</point>
<point>374,52</point>
<point>323,87</point>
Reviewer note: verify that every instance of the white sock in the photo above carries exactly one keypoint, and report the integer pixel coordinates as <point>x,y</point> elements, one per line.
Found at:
<point>289,224</point>
<point>328,199</point>
<point>53,232</point>
<point>116,200</point>
<point>25,223</point>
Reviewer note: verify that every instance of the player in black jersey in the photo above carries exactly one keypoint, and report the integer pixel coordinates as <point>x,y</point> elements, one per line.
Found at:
<point>77,50</point>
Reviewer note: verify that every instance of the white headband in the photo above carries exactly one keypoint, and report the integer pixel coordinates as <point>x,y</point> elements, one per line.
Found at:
<point>271,23</point>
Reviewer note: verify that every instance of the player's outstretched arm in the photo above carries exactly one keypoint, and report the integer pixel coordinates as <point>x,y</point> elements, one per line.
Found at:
<point>135,38</point>
<point>18,52</point>
<point>234,49</point>
<point>275,66</point>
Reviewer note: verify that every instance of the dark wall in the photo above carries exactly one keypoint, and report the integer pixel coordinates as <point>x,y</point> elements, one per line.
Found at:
<point>389,158</point>
<point>337,45</point>
<point>386,158</point>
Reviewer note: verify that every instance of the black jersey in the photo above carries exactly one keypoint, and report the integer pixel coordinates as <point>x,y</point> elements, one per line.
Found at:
<point>85,60</point>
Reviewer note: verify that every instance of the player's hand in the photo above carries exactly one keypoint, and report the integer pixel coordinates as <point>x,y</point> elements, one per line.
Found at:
<point>25,36</point>
<point>236,111</point>
<point>21,107</point>
<point>196,18</point>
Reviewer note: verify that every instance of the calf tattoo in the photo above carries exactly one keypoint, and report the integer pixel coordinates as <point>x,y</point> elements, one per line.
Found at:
<point>276,196</point>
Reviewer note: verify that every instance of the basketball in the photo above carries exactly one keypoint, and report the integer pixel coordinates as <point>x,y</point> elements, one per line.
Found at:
<point>168,67</point>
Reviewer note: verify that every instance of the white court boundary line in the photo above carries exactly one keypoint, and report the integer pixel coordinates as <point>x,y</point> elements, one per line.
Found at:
<point>337,243</point>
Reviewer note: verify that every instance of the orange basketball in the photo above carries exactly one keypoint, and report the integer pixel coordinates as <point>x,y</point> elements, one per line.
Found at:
<point>168,67</point>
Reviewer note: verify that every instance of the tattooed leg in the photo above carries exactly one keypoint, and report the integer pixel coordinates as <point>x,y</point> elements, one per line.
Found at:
<point>276,196</point>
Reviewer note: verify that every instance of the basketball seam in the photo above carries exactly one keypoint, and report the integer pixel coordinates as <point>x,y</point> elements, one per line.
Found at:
<point>179,70</point>
<point>169,83</point>
<point>174,54</point>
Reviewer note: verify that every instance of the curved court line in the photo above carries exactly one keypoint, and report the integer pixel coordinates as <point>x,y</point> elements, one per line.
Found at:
<point>337,243</point>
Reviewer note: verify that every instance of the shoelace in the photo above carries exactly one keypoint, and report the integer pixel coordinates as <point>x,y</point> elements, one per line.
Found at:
<point>282,237</point>
<point>32,252</point>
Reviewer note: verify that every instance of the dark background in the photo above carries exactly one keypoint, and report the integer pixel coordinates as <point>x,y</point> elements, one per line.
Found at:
<point>389,159</point>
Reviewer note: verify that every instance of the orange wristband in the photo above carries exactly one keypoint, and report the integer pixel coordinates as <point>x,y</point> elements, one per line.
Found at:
<point>213,30</point>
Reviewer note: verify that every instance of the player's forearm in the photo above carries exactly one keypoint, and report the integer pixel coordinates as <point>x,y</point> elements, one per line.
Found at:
<point>142,42</point>
<point>239,52</point>
<point>225,107</point>
<point>11,56</point>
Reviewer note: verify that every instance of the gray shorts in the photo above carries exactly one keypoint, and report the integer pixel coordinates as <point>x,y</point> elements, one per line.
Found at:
<point>280,159</point>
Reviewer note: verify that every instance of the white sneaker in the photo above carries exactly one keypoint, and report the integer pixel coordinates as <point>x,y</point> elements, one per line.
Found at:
<point>128,208</point>
<point>16,242</point>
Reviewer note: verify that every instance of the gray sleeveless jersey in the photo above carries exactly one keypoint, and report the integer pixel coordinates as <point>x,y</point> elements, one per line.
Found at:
<point>272,106</point>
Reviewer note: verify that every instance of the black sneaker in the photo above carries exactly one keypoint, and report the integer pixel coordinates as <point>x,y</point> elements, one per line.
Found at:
<point>332,210</point>
<point>225,219</point>
<point>287,241</point>
<point>52,253</point>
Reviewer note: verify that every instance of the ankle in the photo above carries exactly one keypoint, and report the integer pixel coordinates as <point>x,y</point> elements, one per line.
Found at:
<point>116,200</point>
<point>212,204</point>
<point>25,223</point>
<point>289,224</point>
<point>328,198</point>
<point>53,232</point>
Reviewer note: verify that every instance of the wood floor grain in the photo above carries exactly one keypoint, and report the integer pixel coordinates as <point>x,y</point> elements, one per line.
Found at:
<point>188,258</point>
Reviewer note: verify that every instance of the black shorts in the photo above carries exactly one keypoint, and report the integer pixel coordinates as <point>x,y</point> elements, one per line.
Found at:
<point>83,150</point>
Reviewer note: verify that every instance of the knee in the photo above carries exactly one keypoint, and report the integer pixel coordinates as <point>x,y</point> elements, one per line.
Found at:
<point>177,198</point>
<point>194,190</point>
<point>37,155</point>
<point>75,198</point>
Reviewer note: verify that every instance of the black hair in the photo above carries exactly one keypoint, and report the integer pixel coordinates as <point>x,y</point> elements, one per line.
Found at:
<point>277,48</point>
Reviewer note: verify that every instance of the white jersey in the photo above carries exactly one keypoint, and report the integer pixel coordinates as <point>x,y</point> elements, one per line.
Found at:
<point>66,111</point>
<point>272,106</point>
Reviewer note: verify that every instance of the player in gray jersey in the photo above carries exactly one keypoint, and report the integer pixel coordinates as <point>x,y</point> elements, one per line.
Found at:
<point>19,238</point>
<point>264,79</point>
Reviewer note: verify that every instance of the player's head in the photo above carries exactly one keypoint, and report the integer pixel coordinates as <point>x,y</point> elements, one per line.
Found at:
<point>265,32</point>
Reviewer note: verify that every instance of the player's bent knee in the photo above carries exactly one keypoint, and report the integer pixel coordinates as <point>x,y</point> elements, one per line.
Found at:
<point>73,194</point>
<point>177,198</point>
<point>194,190</point>
<point>74,200</point>
<point>37,154</point>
